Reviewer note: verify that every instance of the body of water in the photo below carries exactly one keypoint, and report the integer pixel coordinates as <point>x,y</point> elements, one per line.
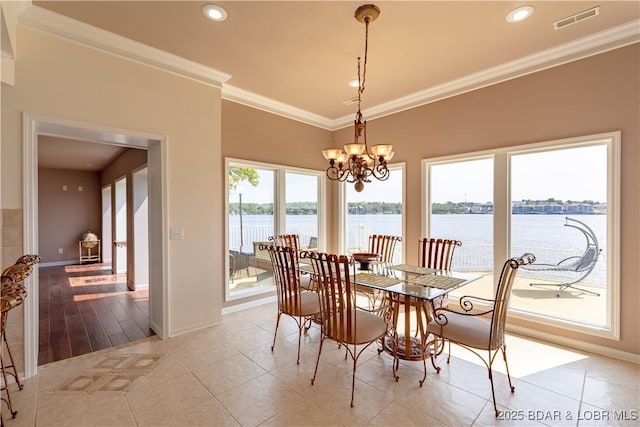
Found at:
<point>546,236</point>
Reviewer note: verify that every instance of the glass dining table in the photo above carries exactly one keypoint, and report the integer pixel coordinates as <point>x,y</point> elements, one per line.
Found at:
<point>415,292</point>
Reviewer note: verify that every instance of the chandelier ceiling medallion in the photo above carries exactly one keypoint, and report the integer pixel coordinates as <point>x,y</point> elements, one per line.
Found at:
<point>358,163</point>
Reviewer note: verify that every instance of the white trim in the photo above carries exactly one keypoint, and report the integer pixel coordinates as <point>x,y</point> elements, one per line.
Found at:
<point>577,344</point>
<point>58,263</point>
<point>591,45</point>
<point>41,19</point>
<point>35,125</point>
<point>199,327</point>
<point>30,236</point>
<point>250,99</point>
<point>247,305</point>
<point>44,20</point>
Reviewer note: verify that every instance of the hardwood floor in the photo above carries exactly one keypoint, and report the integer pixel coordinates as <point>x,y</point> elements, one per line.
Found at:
<point>84,308</point>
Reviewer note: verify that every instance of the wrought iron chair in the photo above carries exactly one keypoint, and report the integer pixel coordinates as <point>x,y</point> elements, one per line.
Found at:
<point>13,294</point>
<point>482,328</point>
<point>341,320</point>
<point>293,241</point>
<point>583,264</point>
<point>437,254</point>
<point>384,246</point>
<point>293,301</point>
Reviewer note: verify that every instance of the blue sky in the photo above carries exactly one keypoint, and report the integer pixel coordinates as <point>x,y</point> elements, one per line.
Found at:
<point>572,174</point>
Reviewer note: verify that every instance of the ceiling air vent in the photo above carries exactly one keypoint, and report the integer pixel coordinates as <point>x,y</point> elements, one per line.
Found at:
<point>589,13</point>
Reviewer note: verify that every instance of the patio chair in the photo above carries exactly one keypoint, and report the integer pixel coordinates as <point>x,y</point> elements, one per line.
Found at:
<point>299,304</point>
<point>481,329</point>
<point>583,264</point>
<point>341,320</point>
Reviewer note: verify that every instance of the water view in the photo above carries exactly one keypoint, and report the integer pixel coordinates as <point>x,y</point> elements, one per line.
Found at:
<point>544,235</point>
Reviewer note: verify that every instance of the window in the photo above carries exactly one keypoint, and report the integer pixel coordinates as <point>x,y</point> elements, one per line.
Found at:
<point>535,189</point>
<point>265,200</point>
<point>378,209</point>
<point>550,205</point>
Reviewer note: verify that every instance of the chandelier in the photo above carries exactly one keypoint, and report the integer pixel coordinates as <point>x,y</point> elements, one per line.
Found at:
<point>358,163</point>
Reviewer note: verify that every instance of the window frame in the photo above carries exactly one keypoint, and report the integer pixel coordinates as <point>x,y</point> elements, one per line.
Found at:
<point>502,219</point>
<point>342,208</point>
<point>279,208</point>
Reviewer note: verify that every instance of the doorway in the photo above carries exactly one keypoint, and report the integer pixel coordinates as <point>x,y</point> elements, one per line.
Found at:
<point>35,126</point>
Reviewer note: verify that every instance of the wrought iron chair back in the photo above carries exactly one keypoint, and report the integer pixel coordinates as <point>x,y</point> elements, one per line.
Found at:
<point>437,253</point>
<point>383,245</point>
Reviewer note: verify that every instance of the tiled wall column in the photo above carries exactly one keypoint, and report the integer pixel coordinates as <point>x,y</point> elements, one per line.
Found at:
<point>10,250</point>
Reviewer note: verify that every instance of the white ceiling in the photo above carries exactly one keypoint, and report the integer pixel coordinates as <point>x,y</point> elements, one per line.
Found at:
<point>296,58</point>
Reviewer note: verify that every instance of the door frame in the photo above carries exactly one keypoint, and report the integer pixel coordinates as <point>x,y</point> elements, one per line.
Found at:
<point>156,146</point>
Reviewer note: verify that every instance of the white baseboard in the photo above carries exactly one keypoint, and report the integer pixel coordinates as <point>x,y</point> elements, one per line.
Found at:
<point>577,344</point>
<point>250,304</point>
<point>58,263</point>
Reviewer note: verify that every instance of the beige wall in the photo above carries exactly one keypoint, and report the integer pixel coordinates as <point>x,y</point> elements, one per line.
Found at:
<point>594,95</point>
<point>64,215</point>
<point>65,80</point>
<point>123,165</point>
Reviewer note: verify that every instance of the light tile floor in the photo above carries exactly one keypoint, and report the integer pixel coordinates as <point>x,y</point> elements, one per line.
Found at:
<point>228,376</point>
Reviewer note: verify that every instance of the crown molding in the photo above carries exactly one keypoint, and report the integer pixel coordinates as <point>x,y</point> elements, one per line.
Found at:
<point>241,96</point>
<point>594,44</point>
<point>41,19</point>
<point>44,20</point>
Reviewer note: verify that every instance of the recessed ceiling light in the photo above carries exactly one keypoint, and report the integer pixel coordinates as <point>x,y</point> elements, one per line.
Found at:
<point>214,12</point>
<point>354,83</point>
<point>520,14</point>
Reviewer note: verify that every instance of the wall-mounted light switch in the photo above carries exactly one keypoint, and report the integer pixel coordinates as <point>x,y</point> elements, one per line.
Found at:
<point>64,188</point>
<point>79,187</point>
<point>176,233</point>
<point>60,250</point>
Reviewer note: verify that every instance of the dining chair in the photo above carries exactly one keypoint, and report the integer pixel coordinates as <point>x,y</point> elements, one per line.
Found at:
<point>481,328</point>
<point>299,304</point>
<point>293,241</point>
<point>384,245</point>
<point>341,320</point>
<point>437,254</point>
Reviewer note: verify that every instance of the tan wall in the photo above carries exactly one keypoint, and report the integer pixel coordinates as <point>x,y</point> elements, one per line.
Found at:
<point>63,216</point>
<point>594,95</point>
<point>65,80</point>
<point>123,165</point>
